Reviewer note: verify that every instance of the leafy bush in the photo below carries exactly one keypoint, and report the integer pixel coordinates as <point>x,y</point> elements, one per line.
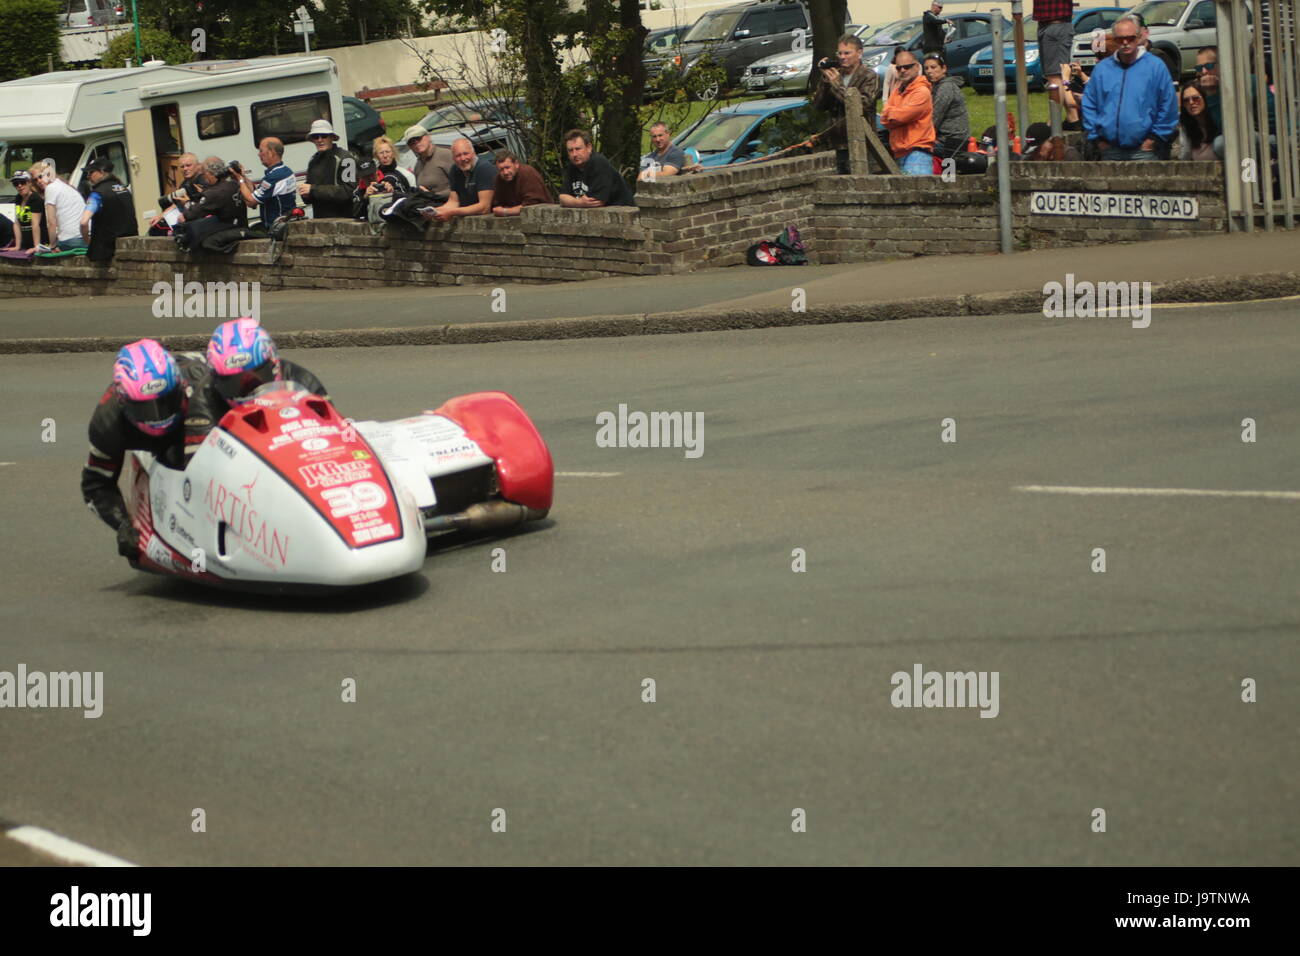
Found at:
<point>29,37</point>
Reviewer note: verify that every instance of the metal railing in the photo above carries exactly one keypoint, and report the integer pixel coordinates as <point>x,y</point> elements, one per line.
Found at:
<point>1249,145</point>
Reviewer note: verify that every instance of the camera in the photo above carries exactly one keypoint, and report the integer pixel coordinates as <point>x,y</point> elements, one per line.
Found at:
<point>828,63</point>
<point>235,167</point>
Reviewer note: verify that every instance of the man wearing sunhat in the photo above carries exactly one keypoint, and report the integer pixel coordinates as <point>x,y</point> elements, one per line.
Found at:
<point>331,175</point>
<point>433,163</point>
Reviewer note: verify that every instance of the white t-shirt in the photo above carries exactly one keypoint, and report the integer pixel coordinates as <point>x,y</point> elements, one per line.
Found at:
<point>68,206</point>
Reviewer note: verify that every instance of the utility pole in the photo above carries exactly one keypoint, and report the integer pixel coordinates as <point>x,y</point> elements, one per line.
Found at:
<point>139,47</point>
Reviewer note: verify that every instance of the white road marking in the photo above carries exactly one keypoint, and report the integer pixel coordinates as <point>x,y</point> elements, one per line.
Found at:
<point>587,474</point>
<point>1159,492</point>
<point>68,850</point>
<point>3,463</point>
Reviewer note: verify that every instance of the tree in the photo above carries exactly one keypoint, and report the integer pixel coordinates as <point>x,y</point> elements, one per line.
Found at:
<point>828,18</point>
<point>154,44</point>
<point>29,39</point>
<point>344,22</point>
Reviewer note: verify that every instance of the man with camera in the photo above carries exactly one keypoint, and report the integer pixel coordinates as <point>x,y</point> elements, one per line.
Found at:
<point>191,185</point>
<point>219,206</point>
<point>837,74</point>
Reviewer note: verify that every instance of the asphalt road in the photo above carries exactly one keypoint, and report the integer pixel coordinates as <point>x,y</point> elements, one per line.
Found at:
<point>522,690</point>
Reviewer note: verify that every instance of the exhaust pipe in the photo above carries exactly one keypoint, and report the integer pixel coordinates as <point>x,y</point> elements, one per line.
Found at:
<point>485,516</point>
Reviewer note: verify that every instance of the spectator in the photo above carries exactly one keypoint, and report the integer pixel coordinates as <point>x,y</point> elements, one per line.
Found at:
<point>331,175</point>
<point>934,29</point>
<point>433,164</point>
<point>948,108</point>
<point>471,185</point>
<point>1042,146</point>
<point>389,176</point>
<point>908,118</point>
<point>26,224</point>
<point>1129,107</point>
<point>1196,129</point>
<point>277,193</point>
<point>190,187</point>
<point>382,181</point>
<point>63,209</point>
<point>590,180</point>
<point>665,159</point>
<point>1055,40</point>
<point>829,95</point>
<point>109,213</point>
<point>219,206</point>
<point>1207,78</point>
<point>1073,83</point>
<point>517,185</point>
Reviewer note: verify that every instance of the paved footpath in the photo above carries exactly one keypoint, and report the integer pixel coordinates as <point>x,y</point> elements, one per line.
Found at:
<point>1203,269</point>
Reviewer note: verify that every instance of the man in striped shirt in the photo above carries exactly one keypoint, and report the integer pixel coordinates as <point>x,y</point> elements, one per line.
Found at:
<point>277,193</point>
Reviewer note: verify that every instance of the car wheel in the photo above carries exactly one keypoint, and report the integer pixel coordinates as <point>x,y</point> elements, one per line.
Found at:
<point>707,94</point>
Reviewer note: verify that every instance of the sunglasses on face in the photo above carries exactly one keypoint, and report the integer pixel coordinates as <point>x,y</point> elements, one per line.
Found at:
<point>1132,39</point>
<point>1193,99</point>
<point>906,66</point>
<point>1205,67</point>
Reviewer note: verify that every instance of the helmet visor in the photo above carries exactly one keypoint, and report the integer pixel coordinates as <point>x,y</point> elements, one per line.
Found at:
<point>156,413</point>
<point>232,387</point>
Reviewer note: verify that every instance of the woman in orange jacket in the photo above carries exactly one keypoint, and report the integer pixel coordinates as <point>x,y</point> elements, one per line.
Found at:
<point>907,115</point>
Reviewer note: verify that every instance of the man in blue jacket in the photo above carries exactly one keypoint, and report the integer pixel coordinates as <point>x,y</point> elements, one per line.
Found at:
<point>1129,106</point>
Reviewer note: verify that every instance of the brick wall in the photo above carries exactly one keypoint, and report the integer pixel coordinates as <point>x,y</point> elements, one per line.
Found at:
<point>711,219</point>
<point>881,217</point>
<point>678,225</point>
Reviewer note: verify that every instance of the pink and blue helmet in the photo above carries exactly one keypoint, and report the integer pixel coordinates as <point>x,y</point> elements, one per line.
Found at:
<point>242,356</point>
<point>148,381</point>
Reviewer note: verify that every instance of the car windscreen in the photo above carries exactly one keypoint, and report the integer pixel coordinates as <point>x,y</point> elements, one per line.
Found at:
<point>717,133</point>
<point>454,114</point>
<point>898,33</point>
<point>15,157</point>
<point>712,27</point>
<point>1161,13</point>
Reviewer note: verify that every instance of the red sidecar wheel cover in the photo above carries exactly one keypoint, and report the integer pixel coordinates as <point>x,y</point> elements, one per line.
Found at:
<point>505,433</point>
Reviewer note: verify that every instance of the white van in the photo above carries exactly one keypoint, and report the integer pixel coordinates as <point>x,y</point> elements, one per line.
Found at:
<point>143,119</point>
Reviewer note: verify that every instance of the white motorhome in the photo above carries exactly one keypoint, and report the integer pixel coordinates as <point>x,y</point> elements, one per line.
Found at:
<point>143,119</point>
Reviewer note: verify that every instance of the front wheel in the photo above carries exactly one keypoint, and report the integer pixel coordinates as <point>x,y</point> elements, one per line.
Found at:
<point>707,94</point>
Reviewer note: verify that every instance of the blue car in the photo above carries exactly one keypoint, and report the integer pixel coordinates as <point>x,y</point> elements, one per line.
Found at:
<point>979,74</point>
<point>748,130</point>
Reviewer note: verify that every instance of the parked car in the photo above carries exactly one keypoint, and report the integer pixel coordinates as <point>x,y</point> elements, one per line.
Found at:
<point>967,34</point>
<point>786,72</point>
<point>488,124</point>
<point>734,37</point>
<point>750,130</point>
<point>1178,28</point>
<point>74,14</point>
<point>659,42</point>
<point>979,72</point>
<point>363,124</point>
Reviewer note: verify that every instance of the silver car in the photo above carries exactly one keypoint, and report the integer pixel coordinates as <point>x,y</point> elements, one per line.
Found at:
<point>787,71</point>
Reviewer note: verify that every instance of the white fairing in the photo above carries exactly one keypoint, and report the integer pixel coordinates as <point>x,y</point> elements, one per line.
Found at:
<point>272,533</point>
<point>414,450</point>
